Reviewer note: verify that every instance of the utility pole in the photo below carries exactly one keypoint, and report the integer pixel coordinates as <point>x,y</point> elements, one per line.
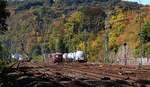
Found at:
<point>141,39</point>
<point>141,36</point>
<point>125,53</point>
<point>106,39</point>
<point>85,42</point>
<point>44,40</point>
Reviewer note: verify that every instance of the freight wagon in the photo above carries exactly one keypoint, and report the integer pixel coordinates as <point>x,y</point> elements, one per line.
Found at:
<point>78,56</point>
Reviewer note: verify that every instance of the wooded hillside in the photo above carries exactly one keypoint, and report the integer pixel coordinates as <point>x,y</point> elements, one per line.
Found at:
<point>45,26</point>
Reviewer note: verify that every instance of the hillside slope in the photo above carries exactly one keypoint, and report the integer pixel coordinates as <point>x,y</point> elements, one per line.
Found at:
<point>37,27</point>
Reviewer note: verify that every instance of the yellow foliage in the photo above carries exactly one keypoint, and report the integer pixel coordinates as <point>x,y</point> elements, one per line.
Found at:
<point>76,17</point>
<point>39,39</point>
<point>112,39</point>
<point>94,44</point>
<point>81,46</point>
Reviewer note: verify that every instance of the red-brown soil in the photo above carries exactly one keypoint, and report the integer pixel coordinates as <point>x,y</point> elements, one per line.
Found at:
<point>34,74</point>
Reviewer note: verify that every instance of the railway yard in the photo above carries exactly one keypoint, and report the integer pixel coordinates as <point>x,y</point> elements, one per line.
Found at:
<point>36,74</point>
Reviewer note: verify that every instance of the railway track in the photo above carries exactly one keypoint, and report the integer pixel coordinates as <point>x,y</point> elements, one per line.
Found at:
<point>96,73</point>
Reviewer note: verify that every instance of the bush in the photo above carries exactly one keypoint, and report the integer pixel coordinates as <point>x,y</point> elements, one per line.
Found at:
<point>2,65</point>
<point>38,58</point>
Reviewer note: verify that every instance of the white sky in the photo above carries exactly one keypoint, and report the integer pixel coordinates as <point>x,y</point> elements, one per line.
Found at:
<point>140,1</point>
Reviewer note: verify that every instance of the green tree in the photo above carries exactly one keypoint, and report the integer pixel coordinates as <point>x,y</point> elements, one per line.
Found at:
<point>146,32</point>
<point>3,26</point>
<point>3,15</point>
<point>145,38</point>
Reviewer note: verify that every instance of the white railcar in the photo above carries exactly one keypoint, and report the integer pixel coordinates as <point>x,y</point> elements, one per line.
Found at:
<point>74,56</point>
<point>17,56</point>
<point>79,55</point>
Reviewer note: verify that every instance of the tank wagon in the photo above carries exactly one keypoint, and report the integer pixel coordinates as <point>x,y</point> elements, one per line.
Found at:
<point>75,56</point>
<point>78,56</point>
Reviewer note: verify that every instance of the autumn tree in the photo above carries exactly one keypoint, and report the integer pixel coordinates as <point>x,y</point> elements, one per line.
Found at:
<point>118,24</point>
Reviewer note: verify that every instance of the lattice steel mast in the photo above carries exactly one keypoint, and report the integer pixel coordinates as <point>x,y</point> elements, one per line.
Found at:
<point>141,36</point>
<point>106,38</point>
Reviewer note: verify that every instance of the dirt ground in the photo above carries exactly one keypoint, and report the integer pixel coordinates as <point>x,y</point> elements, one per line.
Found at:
<point>35,74</point>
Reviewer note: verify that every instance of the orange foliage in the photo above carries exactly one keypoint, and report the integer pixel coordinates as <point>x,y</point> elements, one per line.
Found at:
<point>120,40</point>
